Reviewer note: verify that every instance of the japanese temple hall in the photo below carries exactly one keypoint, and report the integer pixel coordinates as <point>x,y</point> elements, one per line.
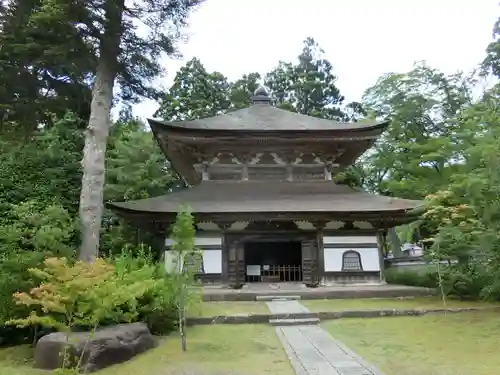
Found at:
<point>261,188</point>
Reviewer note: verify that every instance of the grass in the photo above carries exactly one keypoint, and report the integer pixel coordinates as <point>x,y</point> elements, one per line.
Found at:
<point>212,350</point>
<point>387,303</point>
<point>452,344</point>
<point>229,308</point>
<point>17,360</point>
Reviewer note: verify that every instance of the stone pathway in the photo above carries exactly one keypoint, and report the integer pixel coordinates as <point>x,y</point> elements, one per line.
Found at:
<point>282,306</point>
<point>313,351</point>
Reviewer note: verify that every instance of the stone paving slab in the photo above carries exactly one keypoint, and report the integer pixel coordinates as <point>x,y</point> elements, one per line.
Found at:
<point>293,322</point>
<point>286,307</point>
<point>312,351</point>
<point>265,318</point>
<point>271,298</point>
<point>251,292</point>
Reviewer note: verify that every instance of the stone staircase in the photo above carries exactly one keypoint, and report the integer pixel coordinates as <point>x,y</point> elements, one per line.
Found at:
<point>290,311</point>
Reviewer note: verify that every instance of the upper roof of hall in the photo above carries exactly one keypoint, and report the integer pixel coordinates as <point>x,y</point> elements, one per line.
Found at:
<point>262,117</point>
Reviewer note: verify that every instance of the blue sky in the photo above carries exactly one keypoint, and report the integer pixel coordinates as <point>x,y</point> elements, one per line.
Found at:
<point>362,38</point>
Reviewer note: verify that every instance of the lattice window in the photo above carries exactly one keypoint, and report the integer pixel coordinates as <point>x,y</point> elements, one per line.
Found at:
<point>351,261</point>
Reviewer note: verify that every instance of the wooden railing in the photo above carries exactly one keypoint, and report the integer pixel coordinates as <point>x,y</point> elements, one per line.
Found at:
<point>273,274</point>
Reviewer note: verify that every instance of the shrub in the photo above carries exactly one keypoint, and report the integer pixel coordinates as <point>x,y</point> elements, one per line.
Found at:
<point>412,278</point>
<point>14,276</point>
<point>469,281</point>
<point>157,306</point>
<point>36,226</point>
<point>81,295</point>
<point>29,233</point>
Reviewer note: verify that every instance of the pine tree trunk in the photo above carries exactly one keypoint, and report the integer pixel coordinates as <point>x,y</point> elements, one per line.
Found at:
<point>94,152</point>
<point>96,135</point>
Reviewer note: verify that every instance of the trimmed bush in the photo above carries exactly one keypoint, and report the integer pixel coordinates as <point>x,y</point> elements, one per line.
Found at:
<point>412,278</point>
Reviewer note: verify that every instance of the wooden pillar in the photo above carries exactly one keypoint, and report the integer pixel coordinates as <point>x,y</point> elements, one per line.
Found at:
<point>320,225</point>
<point>236,263</point>
<point>224,226</point>
<point>381,239</point>
<point>231,263</point>
<point>240,265</point>
<point>310,262</point>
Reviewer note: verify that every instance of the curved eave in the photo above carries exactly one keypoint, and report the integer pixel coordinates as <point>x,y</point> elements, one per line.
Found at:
<point>176,158</point>
<point>336,130</point>
<point>127,207</point>
<point>384,219</point>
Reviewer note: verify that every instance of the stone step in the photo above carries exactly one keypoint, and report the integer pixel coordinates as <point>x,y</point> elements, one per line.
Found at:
<point>294,322</point>
<point>277,298</point>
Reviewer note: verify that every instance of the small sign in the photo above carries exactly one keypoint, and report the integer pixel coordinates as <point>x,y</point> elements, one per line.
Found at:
<point>265,268</point>
<point>253,270</point>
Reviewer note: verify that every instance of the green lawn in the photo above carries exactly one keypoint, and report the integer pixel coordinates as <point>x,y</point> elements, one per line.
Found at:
<point>387,303</point>
<point>229,308</point>
<point>212,350</point>
<point>452,344</point>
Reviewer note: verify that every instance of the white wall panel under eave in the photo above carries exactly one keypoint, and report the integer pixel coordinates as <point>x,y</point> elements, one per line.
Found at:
<point>201,241</point>
<point>212,261</point>
<point>369,258</point>
<point>338,240</point>
<point>211,248</point>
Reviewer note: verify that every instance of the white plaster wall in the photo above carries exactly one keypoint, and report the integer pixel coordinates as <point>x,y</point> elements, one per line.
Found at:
<point>350,240</point>
<point>212,258</point>
<point>201,241</point>
<point>333,255</point>
<point>369,258</point>
<point>212,261</point>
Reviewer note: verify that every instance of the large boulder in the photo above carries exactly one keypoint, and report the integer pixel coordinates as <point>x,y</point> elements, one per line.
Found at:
<point>106,347</point>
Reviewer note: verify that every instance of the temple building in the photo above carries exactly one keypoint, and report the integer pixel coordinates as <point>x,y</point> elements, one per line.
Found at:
<point>262,192</point>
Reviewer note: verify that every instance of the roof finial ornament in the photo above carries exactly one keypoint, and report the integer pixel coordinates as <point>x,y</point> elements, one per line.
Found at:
<point>261,95</point>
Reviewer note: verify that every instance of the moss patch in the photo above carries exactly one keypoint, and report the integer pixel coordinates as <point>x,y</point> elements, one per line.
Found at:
<point>388,303</point>
<point>452,344</point>
<point>212,350</point>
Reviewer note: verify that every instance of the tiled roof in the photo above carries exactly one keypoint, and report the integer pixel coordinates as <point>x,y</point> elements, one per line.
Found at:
<point>270,196</point>
<point>263,117</point>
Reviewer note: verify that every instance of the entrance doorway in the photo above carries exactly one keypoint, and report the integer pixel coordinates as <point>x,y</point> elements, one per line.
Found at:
<point>273,261</point>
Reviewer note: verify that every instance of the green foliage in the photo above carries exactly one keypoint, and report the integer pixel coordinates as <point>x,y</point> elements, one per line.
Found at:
<point>156,306</point>
<point>46,169</point>
<point>183,241</point>
<point>135,166</point>
<point>309,86</point>
<point>81,295</point>
<point>29,232</point>
<point>415,157</point>
<point>72,295</point>
<point>38,227</point>
<point>491,63</point>
<point>50,51</point>
<point>38,74</point>
<point>242,90</point>
<point>412,278</point>
<point>14,277</point>
<point>135,169</point>
<point>195,94</point>
<point>469,281</point>
<point>125,288</point>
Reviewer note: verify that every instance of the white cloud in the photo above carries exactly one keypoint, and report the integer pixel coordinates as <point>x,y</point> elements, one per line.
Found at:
<point>362,38</point>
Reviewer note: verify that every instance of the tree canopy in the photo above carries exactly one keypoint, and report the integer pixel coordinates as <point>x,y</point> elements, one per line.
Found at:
<point>65,64</point>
